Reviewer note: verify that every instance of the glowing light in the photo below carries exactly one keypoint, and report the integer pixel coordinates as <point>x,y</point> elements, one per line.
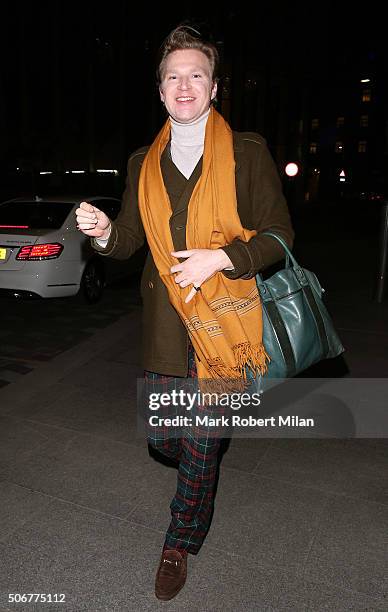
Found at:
<point>15,226</point>
<point>292,169</point>
<point>103,171</point>
<point>45,172</point>
<point>36,252</point>
<point>365,81</point>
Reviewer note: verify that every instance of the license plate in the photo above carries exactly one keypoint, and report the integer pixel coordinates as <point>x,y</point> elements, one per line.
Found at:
<point>3,253</point>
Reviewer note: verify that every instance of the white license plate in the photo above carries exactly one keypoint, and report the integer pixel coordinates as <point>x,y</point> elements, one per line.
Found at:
<point>3,253</point>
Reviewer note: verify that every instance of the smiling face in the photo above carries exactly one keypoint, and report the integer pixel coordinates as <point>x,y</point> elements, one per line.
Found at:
<point>187,87</point>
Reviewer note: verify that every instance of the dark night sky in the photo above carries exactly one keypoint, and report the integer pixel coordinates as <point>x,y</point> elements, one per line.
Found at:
<point>46,50</point>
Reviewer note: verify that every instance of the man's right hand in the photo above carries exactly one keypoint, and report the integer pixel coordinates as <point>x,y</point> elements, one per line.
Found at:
<point>92,221</point>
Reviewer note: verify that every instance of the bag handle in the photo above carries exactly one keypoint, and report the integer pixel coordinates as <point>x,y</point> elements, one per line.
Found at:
<point>289,255</point>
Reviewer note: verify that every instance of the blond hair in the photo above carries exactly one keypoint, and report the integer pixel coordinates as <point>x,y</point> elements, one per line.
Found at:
<point>187,37</point>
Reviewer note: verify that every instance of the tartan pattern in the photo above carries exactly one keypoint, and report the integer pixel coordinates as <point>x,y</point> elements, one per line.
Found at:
<point>197,453</point>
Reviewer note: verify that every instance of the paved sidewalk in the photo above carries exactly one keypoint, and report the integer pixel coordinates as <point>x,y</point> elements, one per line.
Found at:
<point>35,331</point>
<point>298,524</point>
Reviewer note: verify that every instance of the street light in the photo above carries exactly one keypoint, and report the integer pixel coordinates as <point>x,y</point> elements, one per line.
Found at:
<point>291,169</point>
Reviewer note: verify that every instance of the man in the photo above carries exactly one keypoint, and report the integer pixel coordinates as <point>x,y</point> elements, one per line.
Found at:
<point>201,195</point>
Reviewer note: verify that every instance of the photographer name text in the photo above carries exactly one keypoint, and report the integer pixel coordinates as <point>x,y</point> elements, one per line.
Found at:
<point>233,421</point>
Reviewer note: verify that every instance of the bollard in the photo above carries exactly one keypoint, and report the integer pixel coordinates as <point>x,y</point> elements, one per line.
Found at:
<point>383,253</point>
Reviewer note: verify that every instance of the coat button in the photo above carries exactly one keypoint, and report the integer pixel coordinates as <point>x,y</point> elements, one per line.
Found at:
<point>150,284</point>
<point>180,227</point>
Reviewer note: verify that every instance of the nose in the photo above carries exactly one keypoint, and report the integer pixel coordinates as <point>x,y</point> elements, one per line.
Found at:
<point>184,83</point>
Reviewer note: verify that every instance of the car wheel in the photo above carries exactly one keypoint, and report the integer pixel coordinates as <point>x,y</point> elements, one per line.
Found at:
<point>92,282</point>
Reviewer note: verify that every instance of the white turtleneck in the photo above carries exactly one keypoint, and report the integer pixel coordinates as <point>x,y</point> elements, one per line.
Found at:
<point>187,141</point>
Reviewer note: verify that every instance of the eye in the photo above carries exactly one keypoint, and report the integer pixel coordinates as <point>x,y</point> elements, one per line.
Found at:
<point>197,75</point>
<point>171,77</point>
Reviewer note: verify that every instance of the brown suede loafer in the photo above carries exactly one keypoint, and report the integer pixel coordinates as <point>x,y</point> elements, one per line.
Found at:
<point>171,574</point>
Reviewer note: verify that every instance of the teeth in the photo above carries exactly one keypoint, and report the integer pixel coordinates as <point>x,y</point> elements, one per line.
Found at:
<point>186,99</point>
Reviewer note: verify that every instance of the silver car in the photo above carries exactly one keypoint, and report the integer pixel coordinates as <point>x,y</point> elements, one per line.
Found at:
<point>42,253</point>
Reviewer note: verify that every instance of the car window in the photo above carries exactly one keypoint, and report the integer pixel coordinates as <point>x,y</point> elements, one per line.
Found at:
<point>110,207</point>
<point>33,215</point>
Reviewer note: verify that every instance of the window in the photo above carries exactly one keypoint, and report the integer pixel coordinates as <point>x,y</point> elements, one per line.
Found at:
<point>314,124</point>
<point>364,121</point>
<point>250,84</point>
<point>34,214</point>
<point>313,147</point>
<point>366,95</point>
<point>362,146</point>
<point>340,121</point>
<point>109,207</point>
<point>226,87</point>
<point>339,147</point>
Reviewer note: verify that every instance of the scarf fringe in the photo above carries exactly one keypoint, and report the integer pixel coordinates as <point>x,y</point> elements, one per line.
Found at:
<point>227,379</point>
<point>253,358</point>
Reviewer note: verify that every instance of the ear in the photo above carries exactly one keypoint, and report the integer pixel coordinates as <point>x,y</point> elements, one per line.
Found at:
<point>161,95</point>
<point>214,91</point>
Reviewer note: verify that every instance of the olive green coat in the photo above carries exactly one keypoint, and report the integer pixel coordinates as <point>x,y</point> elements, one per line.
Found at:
<point>261,206</point>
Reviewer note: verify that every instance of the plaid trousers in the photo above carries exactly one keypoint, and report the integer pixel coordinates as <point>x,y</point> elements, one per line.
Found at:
<point>197,454</point>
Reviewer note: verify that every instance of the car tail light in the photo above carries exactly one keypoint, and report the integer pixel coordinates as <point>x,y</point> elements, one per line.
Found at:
<point>15,226</point>
<point>37,252</point>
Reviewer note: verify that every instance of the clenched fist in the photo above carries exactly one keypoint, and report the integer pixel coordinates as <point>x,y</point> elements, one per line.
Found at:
<point>92,221</point>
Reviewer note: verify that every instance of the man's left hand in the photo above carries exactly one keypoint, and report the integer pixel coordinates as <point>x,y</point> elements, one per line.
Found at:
<point>200,265</point>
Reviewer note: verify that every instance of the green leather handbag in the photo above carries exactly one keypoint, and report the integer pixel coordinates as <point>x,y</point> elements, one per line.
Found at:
<point>297,328</point>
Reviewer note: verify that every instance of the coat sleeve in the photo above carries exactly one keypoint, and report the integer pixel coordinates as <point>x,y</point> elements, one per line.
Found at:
<point>127,233</point>
<point>269,212</point>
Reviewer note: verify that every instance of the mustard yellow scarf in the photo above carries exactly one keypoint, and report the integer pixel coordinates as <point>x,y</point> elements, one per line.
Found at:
<point>224,319</point>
